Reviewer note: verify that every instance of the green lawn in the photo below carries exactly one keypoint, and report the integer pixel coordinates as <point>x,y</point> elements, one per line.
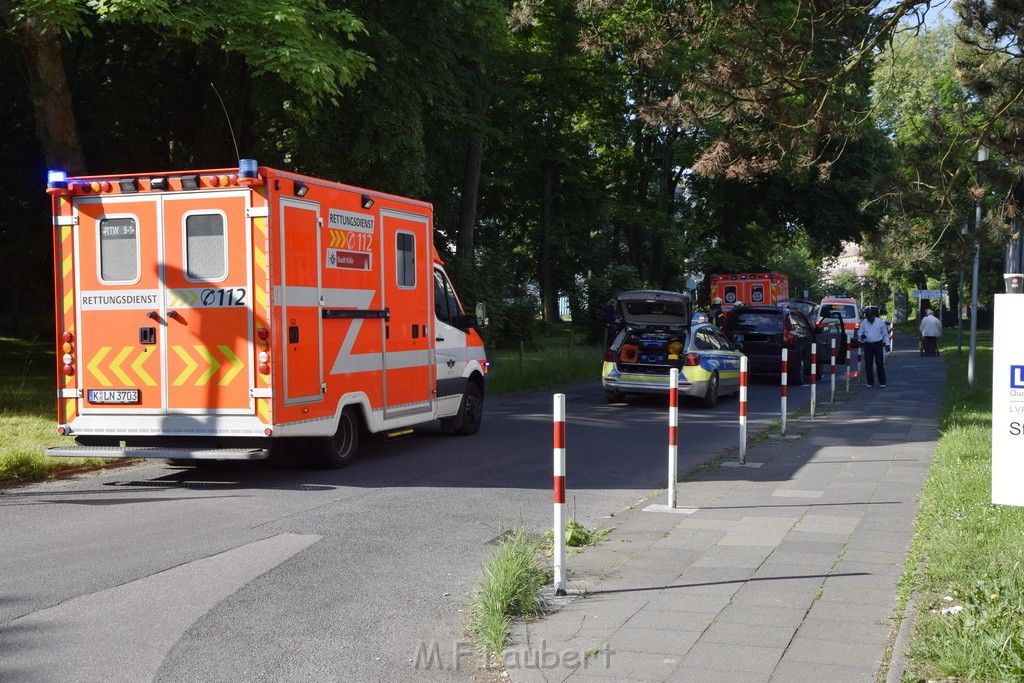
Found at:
<point>973,551</point>
<point>28,412</point>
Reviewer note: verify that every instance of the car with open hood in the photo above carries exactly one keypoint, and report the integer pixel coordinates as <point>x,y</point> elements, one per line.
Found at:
<point>657,333</point>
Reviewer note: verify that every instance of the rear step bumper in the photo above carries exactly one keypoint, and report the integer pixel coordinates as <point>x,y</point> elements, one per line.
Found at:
<point>158,452</point>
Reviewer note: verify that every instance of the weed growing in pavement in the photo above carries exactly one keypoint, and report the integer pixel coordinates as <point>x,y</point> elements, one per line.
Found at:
<point>577,535</point>
<point>510,589</point>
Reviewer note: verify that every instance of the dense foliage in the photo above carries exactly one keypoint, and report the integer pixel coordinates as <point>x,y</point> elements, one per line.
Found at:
<point>571,149</point>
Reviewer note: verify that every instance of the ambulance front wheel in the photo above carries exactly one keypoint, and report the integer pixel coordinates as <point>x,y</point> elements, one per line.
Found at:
<point>471,412</point>
<point>339,451</point>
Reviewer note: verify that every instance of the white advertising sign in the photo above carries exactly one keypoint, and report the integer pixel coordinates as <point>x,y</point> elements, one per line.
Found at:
<point>1008,401</point>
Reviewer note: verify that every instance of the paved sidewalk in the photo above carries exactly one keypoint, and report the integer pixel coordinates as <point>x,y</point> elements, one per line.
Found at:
<point>785,572</point>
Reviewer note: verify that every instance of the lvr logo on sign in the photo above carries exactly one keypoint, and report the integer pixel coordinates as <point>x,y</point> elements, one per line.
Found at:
<point>1017,376</point>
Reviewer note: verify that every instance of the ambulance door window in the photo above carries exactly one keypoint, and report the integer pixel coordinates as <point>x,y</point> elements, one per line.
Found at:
<point>206,256</point>
<point>729,292</point>
<point>757,294</point>
<point>446,306</point>
<point>119,250</point>
<point>405,259</point>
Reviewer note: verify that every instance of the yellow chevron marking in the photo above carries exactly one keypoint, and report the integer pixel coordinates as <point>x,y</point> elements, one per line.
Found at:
<point>190,366</point>
<point>67,264</point>
<point>236,365</point>
<point>115,365</point>
<point>137,367</point>
<point>94,364</point>
<point>263,409</point>
<point>214,365</point>
<point>260,258</point>
<point>261,296</point>
<point>69,301</point>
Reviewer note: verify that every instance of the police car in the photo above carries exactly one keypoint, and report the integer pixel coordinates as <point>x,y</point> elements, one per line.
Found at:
<point>658,334</point>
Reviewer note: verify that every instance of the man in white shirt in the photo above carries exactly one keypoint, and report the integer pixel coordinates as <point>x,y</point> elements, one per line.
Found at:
<point>931,330</point>
<point>874,336</point>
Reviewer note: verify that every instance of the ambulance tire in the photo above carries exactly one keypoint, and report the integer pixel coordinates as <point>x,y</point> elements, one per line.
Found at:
<point>338,451</point>
<point>471,412</point>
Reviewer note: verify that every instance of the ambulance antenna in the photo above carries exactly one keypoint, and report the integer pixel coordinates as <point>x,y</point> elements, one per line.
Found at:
<point>230,128</point>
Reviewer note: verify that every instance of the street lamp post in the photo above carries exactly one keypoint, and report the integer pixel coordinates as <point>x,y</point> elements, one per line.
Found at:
<point>982,156</point>
<point>960,301</point>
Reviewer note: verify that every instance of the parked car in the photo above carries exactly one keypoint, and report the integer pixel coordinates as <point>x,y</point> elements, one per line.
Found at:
<point>808,308</point>
<point>762,332</point>
<point>827,323</point>
<point>659,334</point>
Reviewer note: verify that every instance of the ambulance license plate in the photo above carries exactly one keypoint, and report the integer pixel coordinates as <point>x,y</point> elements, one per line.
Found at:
<point>113,396</point>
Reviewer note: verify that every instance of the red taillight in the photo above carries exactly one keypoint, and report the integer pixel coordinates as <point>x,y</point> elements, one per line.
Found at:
<point>692,360</point>
<point>609,356</point>
<point>788,338</point>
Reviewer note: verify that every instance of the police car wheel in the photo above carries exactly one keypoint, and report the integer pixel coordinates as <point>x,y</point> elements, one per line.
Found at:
<point>711,396</point>
<point>339,451</point>
<point>472,411</point>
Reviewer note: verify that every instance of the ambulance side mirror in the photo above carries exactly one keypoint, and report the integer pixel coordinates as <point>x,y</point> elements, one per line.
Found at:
<point>477,321</point>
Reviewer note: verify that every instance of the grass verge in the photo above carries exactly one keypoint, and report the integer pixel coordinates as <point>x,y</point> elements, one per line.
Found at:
<point>557,361</point>
<point>969,621</point>
<point>27,424</point>
<point>509,590</point>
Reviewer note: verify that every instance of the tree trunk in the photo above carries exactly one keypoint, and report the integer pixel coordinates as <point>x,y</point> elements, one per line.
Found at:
<point>56,126</point>
<point>549,296</point>
<point>470,190</point>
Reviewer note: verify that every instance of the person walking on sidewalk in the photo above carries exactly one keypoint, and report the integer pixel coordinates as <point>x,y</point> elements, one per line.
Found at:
<point>931,330</point>
<point>873,335</point>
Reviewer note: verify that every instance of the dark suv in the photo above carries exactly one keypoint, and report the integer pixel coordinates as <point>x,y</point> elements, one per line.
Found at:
<point>763,331</point>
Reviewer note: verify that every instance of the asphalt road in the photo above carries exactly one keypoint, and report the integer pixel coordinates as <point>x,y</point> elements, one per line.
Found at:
<point>250,571</point>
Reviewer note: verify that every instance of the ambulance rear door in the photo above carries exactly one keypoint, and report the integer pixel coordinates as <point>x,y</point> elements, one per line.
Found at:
<point>164,303</point>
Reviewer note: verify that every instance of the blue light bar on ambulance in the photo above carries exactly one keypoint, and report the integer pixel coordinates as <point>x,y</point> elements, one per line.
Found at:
<point>247,168</point>
<point>56,180</point>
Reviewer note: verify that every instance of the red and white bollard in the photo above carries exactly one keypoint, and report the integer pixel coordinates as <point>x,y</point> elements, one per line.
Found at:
<point>814,377</point>
<point>673,434</point>
<point>847,369</point>
<point>743,410</point>
<point>832,398</point>
<point>784,377</point>
<point>559,482</point>
<point>860,365</point>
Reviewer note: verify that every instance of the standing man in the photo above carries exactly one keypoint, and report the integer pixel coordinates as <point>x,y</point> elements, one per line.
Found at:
<point>716,311</point>
<point>873,336</point>
<point>931,330</point>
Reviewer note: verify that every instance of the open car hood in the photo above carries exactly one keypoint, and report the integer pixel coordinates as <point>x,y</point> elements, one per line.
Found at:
<point>654,308</point>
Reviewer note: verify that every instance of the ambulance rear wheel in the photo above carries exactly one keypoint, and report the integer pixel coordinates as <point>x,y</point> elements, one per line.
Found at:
<point>339,451</point>
<point>472,410</point>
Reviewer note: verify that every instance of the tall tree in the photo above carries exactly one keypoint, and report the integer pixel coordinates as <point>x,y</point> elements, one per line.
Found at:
<point>302,43</point>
